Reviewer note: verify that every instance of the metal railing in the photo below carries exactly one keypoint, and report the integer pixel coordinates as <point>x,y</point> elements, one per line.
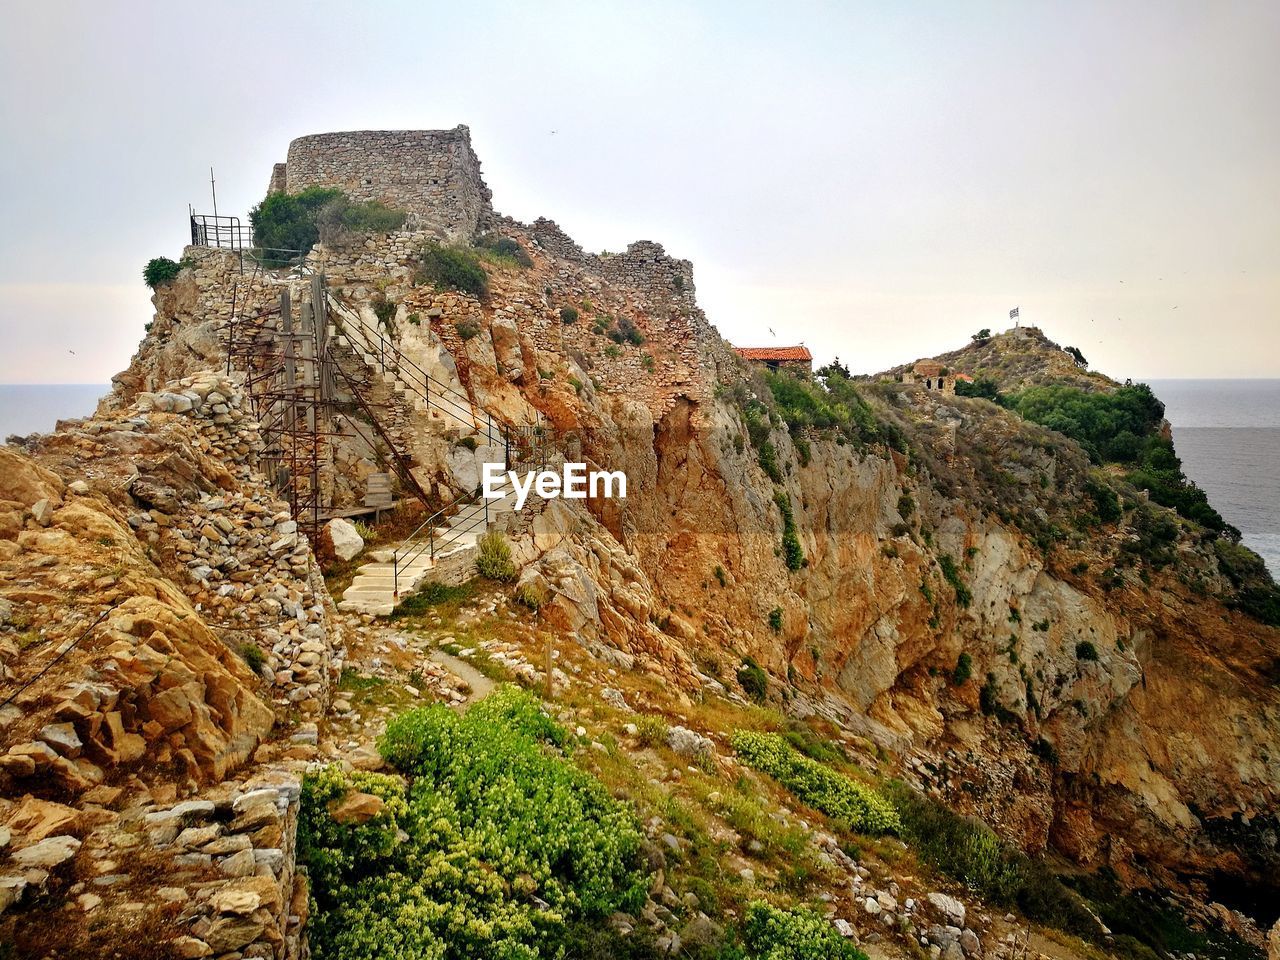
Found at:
<point>227,233</point>
<point>424,540</point>
<point>434,393</point>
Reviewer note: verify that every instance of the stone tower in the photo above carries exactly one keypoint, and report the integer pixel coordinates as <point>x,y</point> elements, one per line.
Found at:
<point>433,175</point>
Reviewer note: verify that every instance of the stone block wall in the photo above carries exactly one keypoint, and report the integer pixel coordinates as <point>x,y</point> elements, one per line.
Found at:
<point>433,175</point>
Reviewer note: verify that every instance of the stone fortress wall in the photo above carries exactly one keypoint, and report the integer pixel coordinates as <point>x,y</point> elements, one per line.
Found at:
<point>433,175</point>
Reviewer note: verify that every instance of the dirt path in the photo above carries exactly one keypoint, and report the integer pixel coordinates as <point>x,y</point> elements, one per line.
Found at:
<point>481,686</point>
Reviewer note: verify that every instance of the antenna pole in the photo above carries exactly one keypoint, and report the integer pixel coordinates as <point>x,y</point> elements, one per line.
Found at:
<point>214,190</point>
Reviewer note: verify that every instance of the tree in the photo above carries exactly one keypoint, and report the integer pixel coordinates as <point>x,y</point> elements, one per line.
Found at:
<point>982,336</point>
<point>1077,356</point>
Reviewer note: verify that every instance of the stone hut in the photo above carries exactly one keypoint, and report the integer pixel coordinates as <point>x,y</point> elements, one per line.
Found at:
<point>931,375</point>
<point>797,359</point>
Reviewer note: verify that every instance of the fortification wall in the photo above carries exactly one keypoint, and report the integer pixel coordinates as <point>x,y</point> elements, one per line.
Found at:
<point>433,175</point>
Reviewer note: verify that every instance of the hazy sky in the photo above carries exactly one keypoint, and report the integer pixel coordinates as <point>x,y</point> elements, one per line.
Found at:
<point>878,180</point>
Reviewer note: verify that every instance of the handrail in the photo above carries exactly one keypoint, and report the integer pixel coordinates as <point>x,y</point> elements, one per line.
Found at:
<point>401,557</point>
<point>444,397</point>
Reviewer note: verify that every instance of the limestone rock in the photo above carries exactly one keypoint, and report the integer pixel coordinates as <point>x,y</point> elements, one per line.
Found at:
<point>356,807</point>
<point>49,853</point>
<point>347,542</point>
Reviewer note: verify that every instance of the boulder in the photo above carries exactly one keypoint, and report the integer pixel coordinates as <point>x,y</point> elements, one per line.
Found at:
<point>356,807</point>
<point>347,542</point>
<point>690,744</point>
<point>48,854</point>
<point>948,908</point>
<point>63,738</point>
<point>34,820</point>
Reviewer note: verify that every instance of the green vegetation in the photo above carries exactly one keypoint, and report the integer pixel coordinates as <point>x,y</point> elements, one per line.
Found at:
<point>792,552</point>
<point>252,654</point>
<point>768,457</point>
<point>431,595</point>
<point>963,670</point>
<point>983,387</point>
<point>504,250</point>
<point>1085,650</point>
<point>493,557</point>
<point>651,730</point>
<point>1257,594</point>
<point>773,934</point>
<point>1122,427</point>
<point>982,336</point>
<point>452,267</point>
<point>855,805</point>
<point>624,330</point>
<point>532,595</point>
<point>775,619</point>
<point>753,680</point>
<point>719,574</point>
<point>832,407</point>
<point>568,315</point>
<point>967,850</point>
<point>162,270</point>
<point>493,848</point>
<point>951,573</point>
<point>466,329</point>
<point>287,225</point>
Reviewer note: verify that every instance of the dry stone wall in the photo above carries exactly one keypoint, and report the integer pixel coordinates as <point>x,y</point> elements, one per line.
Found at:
<point>433,175</point>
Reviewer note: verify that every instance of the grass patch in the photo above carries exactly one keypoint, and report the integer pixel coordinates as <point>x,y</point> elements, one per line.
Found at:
<point>431,596</point>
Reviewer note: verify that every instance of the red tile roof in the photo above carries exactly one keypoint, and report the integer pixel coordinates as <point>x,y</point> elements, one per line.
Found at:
<point>774,353</point>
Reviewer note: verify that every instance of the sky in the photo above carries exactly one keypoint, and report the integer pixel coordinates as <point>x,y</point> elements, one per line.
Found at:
<point>875,180</point>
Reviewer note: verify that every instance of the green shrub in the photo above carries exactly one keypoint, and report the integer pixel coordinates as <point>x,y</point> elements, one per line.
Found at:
<point>753,680</point>
<point>341,219</point>
<point>774,934</point>
<point>452,267</point>
<point>466,329</point>
<point>285,225</point>
<point>719,574</point>
<point>906,506</point>
<point>1106,502</point>
<point>768,457</point>
<point>963,670</point>
<point>775,619</point>
<point>568,315</point>
<point>492,849</point>
<point>792,552</point>
<point>651,730</point>
<point>854,804</point>
<point>493,557</point>
<point>252,654</point>
<point>161,270</point>
<point>1085,650</point>
<point>952,575</point>
<point>967,850</point>
<point>431,594</point>
<point>383,309</point>
<point>504,249</point>
<point>532,595</point>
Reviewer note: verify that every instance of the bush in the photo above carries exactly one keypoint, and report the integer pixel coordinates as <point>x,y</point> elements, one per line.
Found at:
<point>963,670</point>
<point>452,268</point>
<point>161,270</point>
<point>1085,650</point>
<point>775,619</point>
<point>856,805</point>
<point>494,847</point>
<point>504,249</point>
<point>792,552</point>
<point>952,575</point>
<point>466,329</point>
<point>568,315</point>
<point>493,558</point>
<point>774,934</point>
<point>753,680</point>
<point>431,594</point>
<point>340,220</point>
<point>532,595</point>
<point>651,730</point>
<point>286,225</point>
<point>967,850</point>
<point>252,654</point>
<point>769,461</point>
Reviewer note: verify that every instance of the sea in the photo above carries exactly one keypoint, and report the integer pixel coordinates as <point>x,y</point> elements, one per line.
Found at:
<point>1227,433</point>
<point>35,407</point>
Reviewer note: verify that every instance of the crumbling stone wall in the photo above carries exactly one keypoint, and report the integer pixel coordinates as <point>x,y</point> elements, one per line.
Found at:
<point>433,175</point>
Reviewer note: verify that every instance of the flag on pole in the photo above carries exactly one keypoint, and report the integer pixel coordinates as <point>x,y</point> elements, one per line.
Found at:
<point>1013,314</point>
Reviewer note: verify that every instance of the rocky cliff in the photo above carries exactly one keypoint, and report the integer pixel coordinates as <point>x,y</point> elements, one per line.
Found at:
<point>930,574</point>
